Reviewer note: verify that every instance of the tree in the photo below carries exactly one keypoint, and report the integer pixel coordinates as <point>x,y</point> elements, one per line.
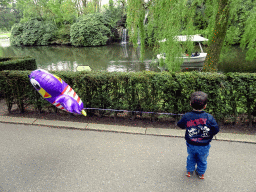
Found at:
<point>135,18</point>
<point>9,14</point>
<point>87,6</point>
<point>232,25</point>
<point>4,3</point>
<point>217,37</point>
<point>166,19</point>
<point>249,37</point>
<point>60,12</point>
<point>169,18</point>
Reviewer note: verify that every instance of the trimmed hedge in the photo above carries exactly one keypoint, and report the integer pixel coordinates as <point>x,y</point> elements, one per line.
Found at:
<point>17,63</point>
<point>229,95</point>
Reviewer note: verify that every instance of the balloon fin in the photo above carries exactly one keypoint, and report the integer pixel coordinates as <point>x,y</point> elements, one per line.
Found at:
<point>68,103</point>
<point>84,113</point>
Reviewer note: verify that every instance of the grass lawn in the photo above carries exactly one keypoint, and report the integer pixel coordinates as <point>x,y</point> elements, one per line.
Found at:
<point>5,35</point>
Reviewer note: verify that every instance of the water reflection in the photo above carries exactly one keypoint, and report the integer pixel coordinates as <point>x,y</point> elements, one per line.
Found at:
<point>111,58</point>
<point>124,48</point>
<point>63,66</point>
<point>132,65</point>
<point>66,58</point>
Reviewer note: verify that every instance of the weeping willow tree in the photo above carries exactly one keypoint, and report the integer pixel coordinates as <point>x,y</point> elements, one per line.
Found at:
<point>249,37</point>
<point>166,20</point>
<point>170,18</point>
<point>218,29</point>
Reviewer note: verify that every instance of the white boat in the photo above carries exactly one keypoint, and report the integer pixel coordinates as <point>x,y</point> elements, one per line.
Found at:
<point>194,57</point>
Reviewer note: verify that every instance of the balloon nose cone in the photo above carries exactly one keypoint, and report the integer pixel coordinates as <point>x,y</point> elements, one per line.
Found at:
<point>84,113</point>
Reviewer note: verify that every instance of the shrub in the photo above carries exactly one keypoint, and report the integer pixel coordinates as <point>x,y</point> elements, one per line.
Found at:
<point>17,63</point>
<point>16,34</point>
<point>233,60</point>
<point>63,34</point>
<point>229,94</point>
<point>90,30</point>
<point>32,32</point>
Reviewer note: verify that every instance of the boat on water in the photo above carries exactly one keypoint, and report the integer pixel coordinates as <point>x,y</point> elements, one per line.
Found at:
<point>196,59</point>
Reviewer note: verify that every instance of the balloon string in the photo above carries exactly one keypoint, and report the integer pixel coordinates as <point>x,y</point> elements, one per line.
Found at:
<point>115,110</point>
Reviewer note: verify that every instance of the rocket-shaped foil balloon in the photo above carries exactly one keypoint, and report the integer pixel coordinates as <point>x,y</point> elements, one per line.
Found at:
<point>56,91</point>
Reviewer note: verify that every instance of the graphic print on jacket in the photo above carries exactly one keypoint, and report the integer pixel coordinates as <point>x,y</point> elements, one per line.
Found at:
<point>197,130</point>
<point>200,127</point>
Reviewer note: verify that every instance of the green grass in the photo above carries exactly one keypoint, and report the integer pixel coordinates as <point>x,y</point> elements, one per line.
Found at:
<point>5,35</point>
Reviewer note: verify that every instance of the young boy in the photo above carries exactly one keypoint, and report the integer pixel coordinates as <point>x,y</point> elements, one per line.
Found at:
<point>200,129</point>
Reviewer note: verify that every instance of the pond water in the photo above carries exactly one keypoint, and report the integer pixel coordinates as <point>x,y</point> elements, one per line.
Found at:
<point>110,58</point>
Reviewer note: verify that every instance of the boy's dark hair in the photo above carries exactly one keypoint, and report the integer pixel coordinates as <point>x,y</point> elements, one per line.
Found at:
<point>198,100</point>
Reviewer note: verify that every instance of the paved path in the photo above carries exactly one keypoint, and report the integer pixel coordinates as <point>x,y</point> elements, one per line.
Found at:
<point>123,129</point>
<point>40,158</point>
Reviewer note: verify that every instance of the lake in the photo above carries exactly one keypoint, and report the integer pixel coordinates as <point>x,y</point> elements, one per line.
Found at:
<point>111,58</point>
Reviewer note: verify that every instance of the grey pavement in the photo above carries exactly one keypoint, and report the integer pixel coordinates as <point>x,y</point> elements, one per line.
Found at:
<point>124,129</point>
<point>47,158</point>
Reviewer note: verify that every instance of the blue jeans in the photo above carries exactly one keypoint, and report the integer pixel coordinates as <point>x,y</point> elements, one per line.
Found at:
<point>197,155</point>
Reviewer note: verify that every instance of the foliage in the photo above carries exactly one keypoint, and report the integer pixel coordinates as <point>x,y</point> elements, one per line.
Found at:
<point>166,20</point>
<point>91,7</point>
<point>91,30</point>
<point>240,10</point>
<point>200,19</point>
<point>135,18</point>
<point>9,15</point>
<point>216,35</point>
<point>59,12</point>
<point>117,14</point>
<point>237,18</point>
<point>115,11</point>
<point>228,95</point>
<point>63,34</point>
<point>249,36</point>
<point>171,18</point>
<point>17,63</point>
<point>242,91</point>
<point>16,34</point>
<point>233,59</point>
<point>33,32</point>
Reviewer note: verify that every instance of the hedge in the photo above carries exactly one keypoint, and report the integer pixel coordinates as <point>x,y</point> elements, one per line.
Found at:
<point>17,63</point>
<point>228,95</point>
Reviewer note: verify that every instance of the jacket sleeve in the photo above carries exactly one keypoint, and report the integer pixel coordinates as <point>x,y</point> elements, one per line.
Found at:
<point>182,123</point>
<point>214,126</point>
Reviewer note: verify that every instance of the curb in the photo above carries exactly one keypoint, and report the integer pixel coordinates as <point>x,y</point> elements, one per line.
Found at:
<point>123,129</point>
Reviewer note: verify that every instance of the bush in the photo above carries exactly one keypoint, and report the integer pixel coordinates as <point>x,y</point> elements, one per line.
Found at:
<point>32,32</point>
<point>17,63</point>
<point>90,30</point>
<point>16,34</point>
<point>233,60</point>
<point>63,35</point>
<point>229,95</point>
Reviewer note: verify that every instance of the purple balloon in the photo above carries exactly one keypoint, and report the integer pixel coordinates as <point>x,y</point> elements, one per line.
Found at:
<point>56,91</point>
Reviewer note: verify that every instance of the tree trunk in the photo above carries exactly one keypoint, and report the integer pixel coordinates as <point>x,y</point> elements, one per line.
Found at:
<point>217,37</point>
<point>84,2</point>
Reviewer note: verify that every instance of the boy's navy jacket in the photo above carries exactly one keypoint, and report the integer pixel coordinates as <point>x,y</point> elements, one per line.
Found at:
<point>200,127</point>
